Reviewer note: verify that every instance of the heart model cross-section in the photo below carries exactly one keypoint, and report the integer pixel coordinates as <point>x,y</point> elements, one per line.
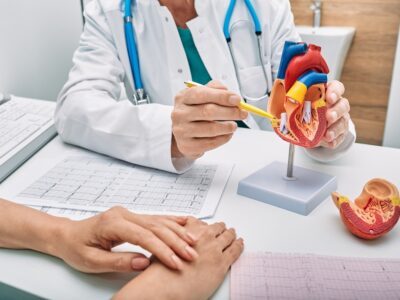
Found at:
<point>374,213</point>
<point>298,96</point>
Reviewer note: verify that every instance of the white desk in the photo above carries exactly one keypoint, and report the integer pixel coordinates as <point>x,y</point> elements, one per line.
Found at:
<point>263,227</point>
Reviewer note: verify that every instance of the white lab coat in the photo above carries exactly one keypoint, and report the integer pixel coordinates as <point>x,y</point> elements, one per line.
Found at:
<point>93,111</point>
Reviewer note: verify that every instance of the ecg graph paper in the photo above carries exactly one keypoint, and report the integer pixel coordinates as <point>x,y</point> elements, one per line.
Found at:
<point>295,276</point>
<point>98,183</point>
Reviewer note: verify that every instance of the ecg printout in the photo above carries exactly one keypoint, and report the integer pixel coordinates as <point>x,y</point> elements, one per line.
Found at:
<point>297,276</point>
<point>84,185</point>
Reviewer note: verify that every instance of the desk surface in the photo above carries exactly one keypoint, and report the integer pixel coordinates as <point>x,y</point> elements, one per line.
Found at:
<point>263,227</point>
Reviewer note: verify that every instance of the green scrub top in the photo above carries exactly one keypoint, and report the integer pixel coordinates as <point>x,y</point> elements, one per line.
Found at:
<point>197,68</point>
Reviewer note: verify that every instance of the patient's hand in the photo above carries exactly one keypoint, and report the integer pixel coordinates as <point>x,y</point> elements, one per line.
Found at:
<point>86,245</point>
<point>218,249</point>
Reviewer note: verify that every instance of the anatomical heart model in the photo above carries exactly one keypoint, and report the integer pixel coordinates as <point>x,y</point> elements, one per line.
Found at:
<point>374,212</point>
<point>298,97</point>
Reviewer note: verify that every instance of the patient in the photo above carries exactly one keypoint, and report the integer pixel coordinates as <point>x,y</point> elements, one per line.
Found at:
<point>192,256</point>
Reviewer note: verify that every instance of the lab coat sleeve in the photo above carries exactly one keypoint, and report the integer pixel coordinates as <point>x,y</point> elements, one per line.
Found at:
<point>89,115</point>
<point>283,29</point>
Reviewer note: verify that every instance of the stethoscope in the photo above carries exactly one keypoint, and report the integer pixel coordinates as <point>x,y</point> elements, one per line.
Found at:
<point>258,33</point>
<point>140,96</point>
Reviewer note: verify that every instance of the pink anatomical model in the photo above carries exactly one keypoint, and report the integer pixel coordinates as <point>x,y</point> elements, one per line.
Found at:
<point>298,96</point>
<point>374,213</point>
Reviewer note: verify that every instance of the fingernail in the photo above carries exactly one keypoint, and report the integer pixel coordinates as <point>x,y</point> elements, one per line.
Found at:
<point>191,252</point>
<point>234,100</point>
<point>191,237</point>
<point>177,261</point>
<point>140,263</point>
<point>334,115</point>
<point>331,135</point>
<point>334,97</point>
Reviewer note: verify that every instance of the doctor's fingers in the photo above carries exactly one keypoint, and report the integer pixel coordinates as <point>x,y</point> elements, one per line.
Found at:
<point>334,92</point>
<point>205,94</point>
<point>215,84</point>
<point>201,129</point>
<point>209,112</point>
<point>335,143</point>
<point>337,111</point>
<point>201,145</point>
<point>338,128</point>
<point>137,235</point>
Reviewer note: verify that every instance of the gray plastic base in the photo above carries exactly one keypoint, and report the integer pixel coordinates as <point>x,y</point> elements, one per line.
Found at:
<point>300,194</point>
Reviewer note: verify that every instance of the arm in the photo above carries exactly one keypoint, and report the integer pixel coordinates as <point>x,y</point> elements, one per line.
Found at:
<point>88,111</point>
<point>25,228</point>
<point>87,245</point>
<point>218,249</point>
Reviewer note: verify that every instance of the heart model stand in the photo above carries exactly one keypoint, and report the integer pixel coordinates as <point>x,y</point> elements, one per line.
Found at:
<point>297,189</point>
<point>298,98</point>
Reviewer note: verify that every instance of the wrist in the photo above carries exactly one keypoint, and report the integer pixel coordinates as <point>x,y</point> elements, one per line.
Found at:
<point>53,239</point>
<point>155,276</point>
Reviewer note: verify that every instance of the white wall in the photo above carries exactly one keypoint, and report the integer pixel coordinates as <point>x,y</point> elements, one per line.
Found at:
<point>392,128</point>
<point>37,40</point>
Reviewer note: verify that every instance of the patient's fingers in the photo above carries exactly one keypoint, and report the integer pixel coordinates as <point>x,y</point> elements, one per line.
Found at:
<point>216,229</point>
<point>232,253</point>
<point>226,238</point>
<point>101,261</point>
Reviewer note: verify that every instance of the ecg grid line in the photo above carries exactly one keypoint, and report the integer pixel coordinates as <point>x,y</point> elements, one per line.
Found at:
<point>296,276</point>
<point>105,182</point>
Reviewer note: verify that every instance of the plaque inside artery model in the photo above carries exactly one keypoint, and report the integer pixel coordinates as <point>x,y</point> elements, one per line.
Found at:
<point>373,213</point>
<point>298,96</point>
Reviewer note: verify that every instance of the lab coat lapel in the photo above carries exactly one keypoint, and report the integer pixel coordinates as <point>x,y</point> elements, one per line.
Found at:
<point>213,49</point>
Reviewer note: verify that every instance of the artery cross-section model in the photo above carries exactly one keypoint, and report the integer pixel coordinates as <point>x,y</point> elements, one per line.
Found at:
<point>373,213</point>
<point>298,96</point>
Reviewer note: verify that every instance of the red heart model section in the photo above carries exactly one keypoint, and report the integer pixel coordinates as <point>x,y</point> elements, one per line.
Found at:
<point>298,96</point>
<point>374,213</point>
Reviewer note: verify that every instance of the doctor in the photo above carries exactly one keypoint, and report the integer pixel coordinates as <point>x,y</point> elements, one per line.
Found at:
<point>178,40</point>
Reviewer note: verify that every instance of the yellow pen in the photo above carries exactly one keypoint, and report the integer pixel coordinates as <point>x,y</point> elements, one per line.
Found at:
<point>243,105</point>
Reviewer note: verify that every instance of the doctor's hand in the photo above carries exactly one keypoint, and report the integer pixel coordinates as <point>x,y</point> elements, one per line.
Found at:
<point>337,115</point>
<point>86,245</point>
<point>203,119</point>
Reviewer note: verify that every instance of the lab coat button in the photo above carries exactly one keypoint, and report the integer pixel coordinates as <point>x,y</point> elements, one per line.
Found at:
<point>201,30</point>
<point>180,71</point>
<point>224,77</point>
<point>166,19</point>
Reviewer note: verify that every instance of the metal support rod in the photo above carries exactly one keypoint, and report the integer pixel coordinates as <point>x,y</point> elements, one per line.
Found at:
<point>289,173</point>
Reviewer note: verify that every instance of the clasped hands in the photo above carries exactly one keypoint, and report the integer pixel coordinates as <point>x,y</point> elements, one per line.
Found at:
<point>175,241</point>
<point>202,118</point>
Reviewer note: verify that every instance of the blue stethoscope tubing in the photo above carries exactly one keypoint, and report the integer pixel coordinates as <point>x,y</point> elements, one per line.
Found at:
<point>257,31</point>
<point>228,18</point>
<point>140,95</point>
<point>131,45</point>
